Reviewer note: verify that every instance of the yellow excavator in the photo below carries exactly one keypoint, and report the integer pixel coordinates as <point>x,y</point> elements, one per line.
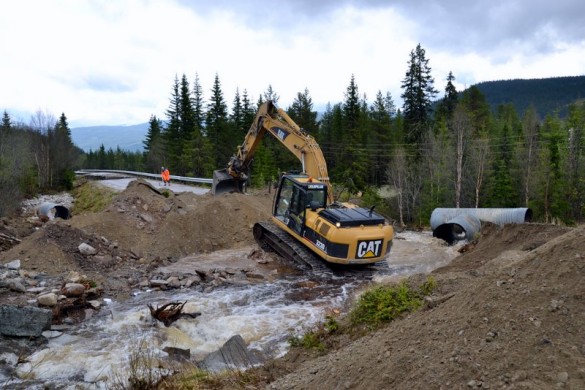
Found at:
<point>307,225</point>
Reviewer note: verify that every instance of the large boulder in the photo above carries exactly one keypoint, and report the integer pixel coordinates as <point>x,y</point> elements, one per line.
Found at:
<point>27,321</point>
<point>232,355</point>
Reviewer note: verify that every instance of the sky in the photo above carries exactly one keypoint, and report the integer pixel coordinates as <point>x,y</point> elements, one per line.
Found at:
<point>103,62</point>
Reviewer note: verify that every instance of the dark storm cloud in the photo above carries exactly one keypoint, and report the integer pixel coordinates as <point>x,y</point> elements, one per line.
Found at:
<point>455,25</point>
<point>485,25</point>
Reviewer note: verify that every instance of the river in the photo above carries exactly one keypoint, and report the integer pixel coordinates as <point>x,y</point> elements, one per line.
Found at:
<point>265,314</point>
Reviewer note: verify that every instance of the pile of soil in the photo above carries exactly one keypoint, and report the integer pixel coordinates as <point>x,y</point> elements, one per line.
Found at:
<point>144,227</point>
<point>157,223</point>
<point>509,313</point>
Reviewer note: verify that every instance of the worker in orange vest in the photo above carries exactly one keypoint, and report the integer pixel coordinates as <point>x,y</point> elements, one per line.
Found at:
<point>166,176</point>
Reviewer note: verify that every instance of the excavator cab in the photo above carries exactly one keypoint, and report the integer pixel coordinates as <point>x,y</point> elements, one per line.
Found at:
<point>296,194</point>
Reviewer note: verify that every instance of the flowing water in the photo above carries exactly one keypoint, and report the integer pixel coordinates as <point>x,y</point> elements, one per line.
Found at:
<point>264,314</point>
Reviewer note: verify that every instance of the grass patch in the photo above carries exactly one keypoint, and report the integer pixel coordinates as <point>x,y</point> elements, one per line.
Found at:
<point>311,340</point>
<point>383,304</point>
<point>145,371</point>
<point>196,378</point>
<point>91,197</point>
<point>316,340</point>
<point>374,308</point>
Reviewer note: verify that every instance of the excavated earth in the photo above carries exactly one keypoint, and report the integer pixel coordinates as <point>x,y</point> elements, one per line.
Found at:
<point>144,229</point>
<point>509,312</point>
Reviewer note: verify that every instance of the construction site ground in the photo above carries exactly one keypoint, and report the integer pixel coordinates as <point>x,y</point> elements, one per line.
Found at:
<point>507,313</point>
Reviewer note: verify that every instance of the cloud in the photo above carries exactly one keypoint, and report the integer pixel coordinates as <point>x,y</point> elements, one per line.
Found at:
<point>104,62</point>
<point>486,25</point>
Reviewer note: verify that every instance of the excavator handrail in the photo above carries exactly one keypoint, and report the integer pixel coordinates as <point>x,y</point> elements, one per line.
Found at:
<point>278,123</point>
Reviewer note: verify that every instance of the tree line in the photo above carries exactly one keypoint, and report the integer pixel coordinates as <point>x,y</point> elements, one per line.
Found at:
<point>35,157</point>
<point>440,149</point>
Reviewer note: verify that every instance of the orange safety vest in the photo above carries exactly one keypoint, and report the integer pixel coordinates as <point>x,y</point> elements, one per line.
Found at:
<point>166,175</point>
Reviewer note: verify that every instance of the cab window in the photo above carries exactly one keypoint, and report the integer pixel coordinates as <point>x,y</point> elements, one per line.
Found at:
<point>284,198</point>
<point>316,197</point>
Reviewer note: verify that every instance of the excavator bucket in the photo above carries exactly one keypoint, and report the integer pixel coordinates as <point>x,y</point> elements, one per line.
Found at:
<point>224,182</point>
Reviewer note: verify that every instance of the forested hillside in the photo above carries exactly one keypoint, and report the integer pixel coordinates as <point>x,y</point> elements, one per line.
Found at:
<point>36,157</point>
<point>547,95</point>
<point>460,152</point>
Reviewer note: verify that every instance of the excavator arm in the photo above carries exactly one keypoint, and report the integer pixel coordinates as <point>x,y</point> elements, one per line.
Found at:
<point>276,122</point>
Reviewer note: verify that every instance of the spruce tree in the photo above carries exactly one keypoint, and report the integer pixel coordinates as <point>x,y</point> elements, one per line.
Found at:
<point>450,99</point>
<point>218,132</point>
<point>446,106</point>
<point>476,105</point>
<point>189,130</point>
<point>352,169</point>
<point>271,95</point>
<point>172,132</point>
<point>237,115</point>
<point>380,138</point>
<point>198,109</point>
<point>153,145</point>
<point>248,111</point>
<point>187,113</point>
<point>6,125</point>
<point>301,111</point>
<point>62,154</point>
<point>351,105</point>
<point>418,96</point>
<point>198,156</point>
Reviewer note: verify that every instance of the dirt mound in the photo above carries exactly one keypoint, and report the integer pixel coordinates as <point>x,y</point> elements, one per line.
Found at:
<point>510,322</point>
<point>157,223</point>
<point>143,228</point>
<point>54,249</point>
<point>497,239</point>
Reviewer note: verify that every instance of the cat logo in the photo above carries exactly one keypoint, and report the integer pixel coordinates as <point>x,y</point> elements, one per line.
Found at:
<point>368,249</point>
<point>280,133</point>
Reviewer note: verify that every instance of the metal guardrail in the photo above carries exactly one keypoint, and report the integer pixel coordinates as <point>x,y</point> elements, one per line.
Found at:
<point>149,175</point>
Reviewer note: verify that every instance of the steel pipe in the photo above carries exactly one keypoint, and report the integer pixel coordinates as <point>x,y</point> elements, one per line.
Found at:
<point>454,225</point>
<point>47,211</point>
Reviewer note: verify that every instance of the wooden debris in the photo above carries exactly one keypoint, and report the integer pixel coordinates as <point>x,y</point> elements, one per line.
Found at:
<point>8,241</point>
<point>170,312</point>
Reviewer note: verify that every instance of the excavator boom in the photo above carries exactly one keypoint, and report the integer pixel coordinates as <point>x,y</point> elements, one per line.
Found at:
<point>275,121</point>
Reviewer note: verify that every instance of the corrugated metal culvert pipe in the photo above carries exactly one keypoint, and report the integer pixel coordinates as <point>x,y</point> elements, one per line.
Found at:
<point>47,211</point>
<point>453,225</point>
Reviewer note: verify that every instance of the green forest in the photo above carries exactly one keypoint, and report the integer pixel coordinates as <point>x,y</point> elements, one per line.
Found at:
<point>441,148</point>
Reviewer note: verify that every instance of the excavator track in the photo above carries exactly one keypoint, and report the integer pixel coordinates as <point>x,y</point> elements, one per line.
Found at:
<point>270,237</point>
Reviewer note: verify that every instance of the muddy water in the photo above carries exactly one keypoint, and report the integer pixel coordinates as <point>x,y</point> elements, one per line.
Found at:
<point>264,314</point>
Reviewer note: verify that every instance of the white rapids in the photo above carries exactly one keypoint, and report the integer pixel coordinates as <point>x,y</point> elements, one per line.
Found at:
<point>264,314</point>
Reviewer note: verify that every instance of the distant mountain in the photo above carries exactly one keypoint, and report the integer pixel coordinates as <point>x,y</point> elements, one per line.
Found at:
<point>547,95</point>
<point>126,137</point>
